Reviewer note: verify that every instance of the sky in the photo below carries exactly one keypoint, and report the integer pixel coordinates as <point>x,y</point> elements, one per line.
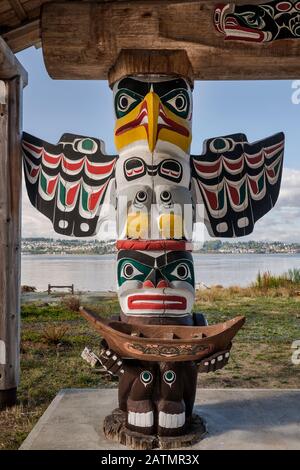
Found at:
<point>256,108</point>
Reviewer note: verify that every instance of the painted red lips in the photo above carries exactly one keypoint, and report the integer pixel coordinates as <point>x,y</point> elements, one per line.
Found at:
<point>156,302</point>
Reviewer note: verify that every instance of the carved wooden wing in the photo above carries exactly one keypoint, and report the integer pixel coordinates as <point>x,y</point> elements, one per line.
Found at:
<point>70,183</point>
<point>236,182</point>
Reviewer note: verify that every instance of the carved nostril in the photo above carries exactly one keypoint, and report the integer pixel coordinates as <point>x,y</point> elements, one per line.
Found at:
<point>163,283</point>
<point>148,284</point>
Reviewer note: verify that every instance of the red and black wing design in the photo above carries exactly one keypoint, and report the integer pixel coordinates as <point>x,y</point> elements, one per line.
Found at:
<point>237,182</point>
<point>69,182</point>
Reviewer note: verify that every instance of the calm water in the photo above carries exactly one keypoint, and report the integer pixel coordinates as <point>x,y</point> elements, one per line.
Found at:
<point>96,273</point>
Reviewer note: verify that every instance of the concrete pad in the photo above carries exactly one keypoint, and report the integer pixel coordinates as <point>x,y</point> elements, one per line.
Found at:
<point>235,418</point>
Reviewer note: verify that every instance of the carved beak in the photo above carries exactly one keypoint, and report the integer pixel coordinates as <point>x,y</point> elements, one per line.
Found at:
<point>153,104</point>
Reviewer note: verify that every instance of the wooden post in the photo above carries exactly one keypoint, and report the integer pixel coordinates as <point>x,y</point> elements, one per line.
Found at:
<point>12,79</point>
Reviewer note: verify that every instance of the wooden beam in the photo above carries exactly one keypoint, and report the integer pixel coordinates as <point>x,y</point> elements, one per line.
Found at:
<point>82,40</point>
<point>10,237</point>
<point>18,9</point>
<point>159,3</point>
<point>136,61</point>
<point>9,65</point>
<point>28,33</point>
<point>23,36</point>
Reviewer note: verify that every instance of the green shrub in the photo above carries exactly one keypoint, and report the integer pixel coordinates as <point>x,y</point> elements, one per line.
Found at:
<point>266,280</point>
<point>294,275</point>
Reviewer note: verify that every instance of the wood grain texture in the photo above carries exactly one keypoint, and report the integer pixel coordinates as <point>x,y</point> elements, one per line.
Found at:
<point>17,17</point>
<point>114,428</point>
<point>10,229</point>
<point>9,65</point>
<point>164,343</point>
<point>17,6</point>
<point>23,36</point>
<point>84,40</point>
<point>164,62</point>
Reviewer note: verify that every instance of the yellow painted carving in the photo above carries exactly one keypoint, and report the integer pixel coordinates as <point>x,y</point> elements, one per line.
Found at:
<point>171,226</point>
<point>137,225</point>
<point>146,123</point>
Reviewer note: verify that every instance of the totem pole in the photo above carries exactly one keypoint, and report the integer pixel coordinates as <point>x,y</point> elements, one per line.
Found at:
<point>154,188</point>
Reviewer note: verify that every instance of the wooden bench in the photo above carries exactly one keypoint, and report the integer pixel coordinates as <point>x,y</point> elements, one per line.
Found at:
<point>60,287</point>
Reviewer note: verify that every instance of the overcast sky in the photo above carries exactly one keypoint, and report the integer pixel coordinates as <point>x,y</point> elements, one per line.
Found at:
<point>259,109</point>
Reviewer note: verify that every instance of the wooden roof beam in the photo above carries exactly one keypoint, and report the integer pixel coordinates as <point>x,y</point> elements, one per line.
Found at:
<point>18,9</point>
<point>9,65</point>
<point>23,36</point>
<point>83,40</point>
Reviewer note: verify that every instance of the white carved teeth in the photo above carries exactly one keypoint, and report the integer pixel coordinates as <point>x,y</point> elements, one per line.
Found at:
<point>227,354</point>
<point>142,420</point>
<point>167,420</point>
<point>220,358</point>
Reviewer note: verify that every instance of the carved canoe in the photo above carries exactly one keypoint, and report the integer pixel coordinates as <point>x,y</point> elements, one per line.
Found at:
<point>164,343</point>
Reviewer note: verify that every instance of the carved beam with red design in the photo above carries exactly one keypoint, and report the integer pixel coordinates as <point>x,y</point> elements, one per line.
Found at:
<point>83,40</point>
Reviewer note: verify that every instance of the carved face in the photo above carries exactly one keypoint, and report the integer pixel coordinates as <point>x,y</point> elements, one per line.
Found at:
<point>259,23</point>
<point>155,283</point>
<point>153,135</point>
<point>153,114</point>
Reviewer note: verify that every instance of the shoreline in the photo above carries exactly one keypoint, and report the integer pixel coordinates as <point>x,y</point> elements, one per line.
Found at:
<point>195,253</point>
<point>97,272</point>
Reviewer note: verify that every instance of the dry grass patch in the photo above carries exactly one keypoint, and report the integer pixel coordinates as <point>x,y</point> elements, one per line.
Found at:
<point>261,354</point>
<point>71,302</point>
<point>54,334</point>
<point>16,423</point>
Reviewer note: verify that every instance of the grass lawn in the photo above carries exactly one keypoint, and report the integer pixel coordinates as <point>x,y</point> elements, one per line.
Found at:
<point>261,356</point>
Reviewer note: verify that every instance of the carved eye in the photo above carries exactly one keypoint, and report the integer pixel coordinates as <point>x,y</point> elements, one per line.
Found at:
<point>252,19</point>
<point>134,168</point>
<point>129,271</point>
<point>165,196</point>
<point>125,101</point>
<point>178,102</point>
<point>141,197</point>
<point>219,145</point>
<point>182,272</point>
<point>169,377</point>
<point>171,170</point>
<point>88,146</point>
<point>146,377</point>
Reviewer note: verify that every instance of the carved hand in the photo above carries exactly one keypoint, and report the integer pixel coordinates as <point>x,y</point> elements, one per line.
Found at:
<point>214,362</point>
<point>110,360</point>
